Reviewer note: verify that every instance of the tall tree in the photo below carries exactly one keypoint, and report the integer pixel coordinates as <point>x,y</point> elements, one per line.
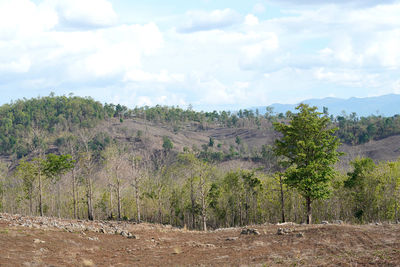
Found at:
<point>310,149</point>
<point>55,166</point>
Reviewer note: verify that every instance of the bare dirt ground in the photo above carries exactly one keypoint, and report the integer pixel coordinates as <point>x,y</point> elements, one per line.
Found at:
<point>30,241</point>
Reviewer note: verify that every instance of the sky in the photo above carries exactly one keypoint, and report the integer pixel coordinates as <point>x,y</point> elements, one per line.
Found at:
<point>211,54</point>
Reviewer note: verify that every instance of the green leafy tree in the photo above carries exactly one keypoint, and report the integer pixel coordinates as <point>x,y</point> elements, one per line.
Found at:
<point>310,149</point>
<point>167,143</point>
<point>357,182</point>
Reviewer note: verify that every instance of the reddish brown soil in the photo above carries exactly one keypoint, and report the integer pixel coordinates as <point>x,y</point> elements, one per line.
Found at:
<point>321,245</point>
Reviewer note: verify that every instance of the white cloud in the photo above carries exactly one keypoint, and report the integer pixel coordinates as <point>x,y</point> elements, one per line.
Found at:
<point>255,50</point>
<point>251,20</point>
<point>259,8</point>
<point>204,21</point>
<point>138,75</point>
<point>22,19</point>
<point>355,3</point>
<point>20,65</point>
<point>84,14</point>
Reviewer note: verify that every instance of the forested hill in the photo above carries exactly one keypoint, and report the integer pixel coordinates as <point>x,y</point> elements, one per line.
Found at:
<point>44,123</point>
<point>23,122</point>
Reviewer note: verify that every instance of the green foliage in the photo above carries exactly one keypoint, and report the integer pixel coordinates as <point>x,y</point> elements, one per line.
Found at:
<point>310,148</point>
<point>167,143</point>
<point>46,114</point>
<point>361,168</point>
<point>354,130</point>
<point>238,140</point>
<point>211,142</point>
<point>56,165</point>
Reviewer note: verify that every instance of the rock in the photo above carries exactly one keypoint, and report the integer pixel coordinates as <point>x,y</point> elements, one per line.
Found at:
<point>300,234</point>
<point>284,231</point>
<point>286,223</point>
<point>125,234</point>
<point>95,238</point>
<point>338,222</point>
<point>37,241</point>
<point>249,231</point>
<point>231,238</point>
<point>133,237</point>
<point>324,222</point>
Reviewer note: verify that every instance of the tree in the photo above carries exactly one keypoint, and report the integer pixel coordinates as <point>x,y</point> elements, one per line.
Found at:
<point>29,172</point>
<point>357,182</point>
<point>167,143</point>
<point>310,150</point>
<point>55,166</point>
<point>137,172</point>
<point>115,159</point>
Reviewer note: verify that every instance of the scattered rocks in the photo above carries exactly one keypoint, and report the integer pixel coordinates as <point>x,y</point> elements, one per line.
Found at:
<point>71,226</point>
<point>284,231</point>
<point>287,223</point>
<point>249,231</point>
<point>231,238</point>
<point>324,222</point>
<point>38,241</point>
<point>95,238</point>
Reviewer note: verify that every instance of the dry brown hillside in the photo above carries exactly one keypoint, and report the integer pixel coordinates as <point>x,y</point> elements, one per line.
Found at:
<point>189,135</point>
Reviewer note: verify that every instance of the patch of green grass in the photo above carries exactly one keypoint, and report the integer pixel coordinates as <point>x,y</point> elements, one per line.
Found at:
<point>4,231</point>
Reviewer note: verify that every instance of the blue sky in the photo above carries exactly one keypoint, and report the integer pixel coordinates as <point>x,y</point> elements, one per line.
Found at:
<point>213,54</point>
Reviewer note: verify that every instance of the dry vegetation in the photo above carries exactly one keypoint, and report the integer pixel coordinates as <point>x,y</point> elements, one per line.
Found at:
<point>48,244</point>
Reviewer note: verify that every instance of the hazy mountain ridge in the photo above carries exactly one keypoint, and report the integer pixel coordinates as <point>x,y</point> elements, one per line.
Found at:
<point>386,105</point>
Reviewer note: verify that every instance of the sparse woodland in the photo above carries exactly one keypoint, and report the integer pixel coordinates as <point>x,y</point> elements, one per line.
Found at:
<point>57,159</point>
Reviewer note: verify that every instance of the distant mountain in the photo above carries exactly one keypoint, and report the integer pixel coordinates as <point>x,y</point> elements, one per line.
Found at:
<point>386,105</point>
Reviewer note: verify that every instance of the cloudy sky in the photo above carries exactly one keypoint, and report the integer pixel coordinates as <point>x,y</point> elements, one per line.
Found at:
<point>213,54</point>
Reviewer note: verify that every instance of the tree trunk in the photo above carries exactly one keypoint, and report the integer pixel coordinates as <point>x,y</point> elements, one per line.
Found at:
<point>89,200</point>
<point>203,213</point>
<point>77,203</point>
<point>282,200</point>
<point>58,200</point>
<point>111,203</point>
<point>40,195</point>
<point>309,212</point>
<point>30,202</point>
<point>193,203</point>
<point>74,193</point>
<point>119,199</point>
<point>137,200</point>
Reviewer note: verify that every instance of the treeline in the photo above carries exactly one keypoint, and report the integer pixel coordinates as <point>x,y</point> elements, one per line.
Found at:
<point>354,130</point>
<point>183,190</point>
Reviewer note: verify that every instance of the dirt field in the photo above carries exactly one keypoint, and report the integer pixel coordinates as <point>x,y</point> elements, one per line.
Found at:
<point>49,244</point>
